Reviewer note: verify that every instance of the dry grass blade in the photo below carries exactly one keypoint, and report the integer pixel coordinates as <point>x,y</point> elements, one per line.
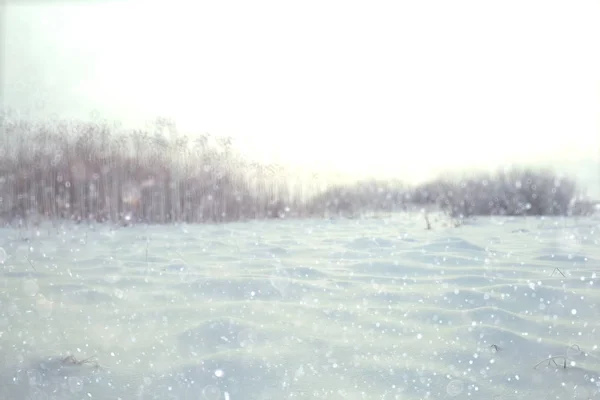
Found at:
<point>428,224</point>
<point>553,360</point>
<point>563,364</point>
<point>71,360</point>
<point>559,271</point>
<point>32,266</point>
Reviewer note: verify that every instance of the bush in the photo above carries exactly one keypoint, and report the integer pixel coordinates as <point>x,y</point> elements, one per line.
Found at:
<point>95,171</point>
<point>80,170</point>
<point>513,192</point>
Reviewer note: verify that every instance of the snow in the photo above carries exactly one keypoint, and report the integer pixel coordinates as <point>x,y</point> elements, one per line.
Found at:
<point>381,308</point>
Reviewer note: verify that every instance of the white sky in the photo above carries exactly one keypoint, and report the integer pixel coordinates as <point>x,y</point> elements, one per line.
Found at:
<point>399,87</point>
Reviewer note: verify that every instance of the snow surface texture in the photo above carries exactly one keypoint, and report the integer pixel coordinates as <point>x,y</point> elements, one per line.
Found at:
<point>344,309</point>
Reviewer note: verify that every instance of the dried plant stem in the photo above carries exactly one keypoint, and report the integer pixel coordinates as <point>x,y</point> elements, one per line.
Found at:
<point>559,271</point>
<point>564,358</point>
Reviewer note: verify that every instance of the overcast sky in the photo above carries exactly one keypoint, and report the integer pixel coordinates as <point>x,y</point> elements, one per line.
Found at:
<point>400,87</point>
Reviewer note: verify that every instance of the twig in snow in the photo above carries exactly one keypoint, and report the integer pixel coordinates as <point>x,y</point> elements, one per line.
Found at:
<point>554,358</point>
<point>428,227</point>
<point>71,360</point>
<point>557,269</point>
<point>30,263</point>
<point>180,256</point>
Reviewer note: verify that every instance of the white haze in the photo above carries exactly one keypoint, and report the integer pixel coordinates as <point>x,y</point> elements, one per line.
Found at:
<point>387,88</point>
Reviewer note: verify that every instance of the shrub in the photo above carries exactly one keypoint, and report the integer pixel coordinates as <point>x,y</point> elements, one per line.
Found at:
<point>82,170</point>
<point>518,191</point>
